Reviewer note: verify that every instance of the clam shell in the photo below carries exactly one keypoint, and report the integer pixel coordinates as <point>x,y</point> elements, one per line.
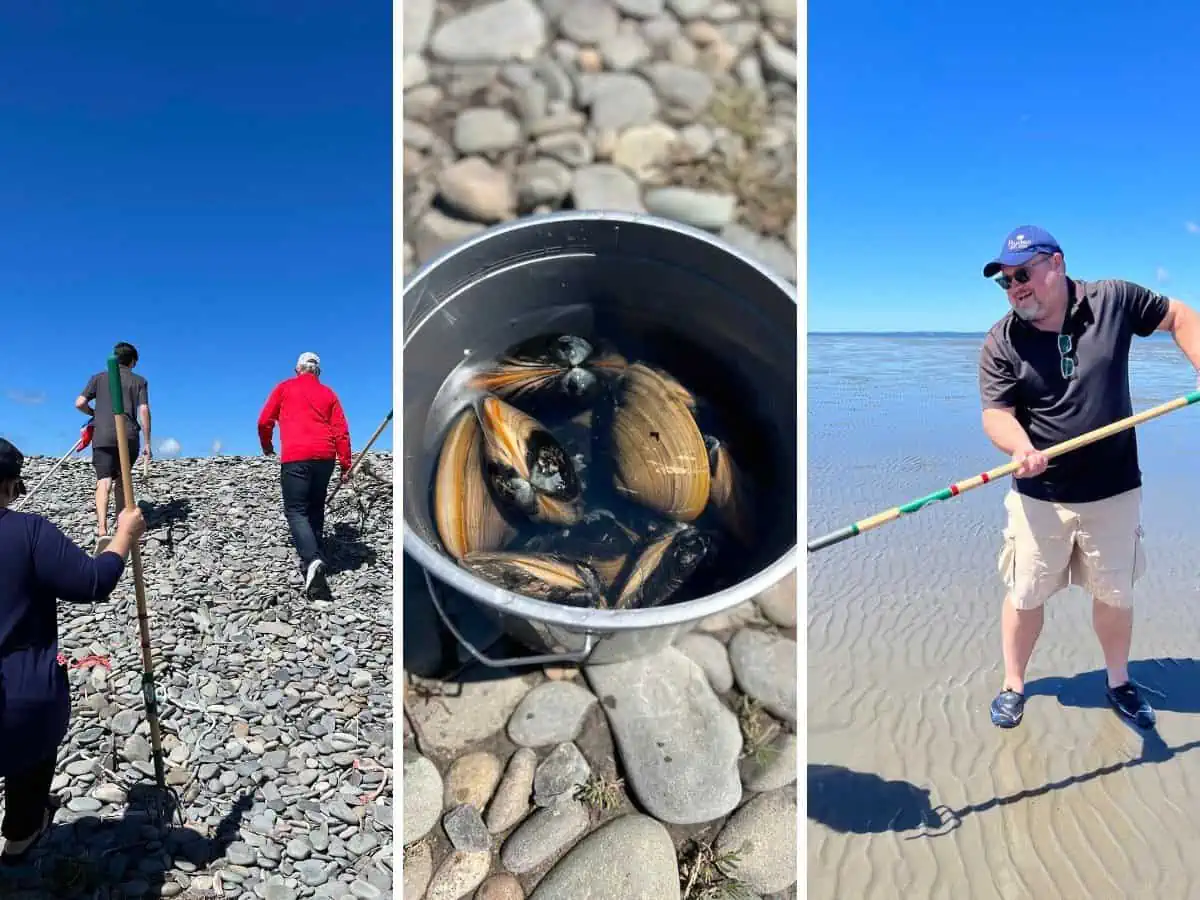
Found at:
<point>540,576</point>
<point>727,491</point>
<point>659,457</point>
<point>661,567</point>
<point>528,467</point>
<point>465,514</point>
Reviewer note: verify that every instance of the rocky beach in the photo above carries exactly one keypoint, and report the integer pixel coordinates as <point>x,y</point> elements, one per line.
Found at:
<point>276,711</point>
<point>685,109</point>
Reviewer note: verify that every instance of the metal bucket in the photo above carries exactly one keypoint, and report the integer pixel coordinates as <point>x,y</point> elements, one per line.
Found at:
<point>563,271</point>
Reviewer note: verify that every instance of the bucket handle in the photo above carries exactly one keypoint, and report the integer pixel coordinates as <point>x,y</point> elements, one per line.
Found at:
<point>570,656</point>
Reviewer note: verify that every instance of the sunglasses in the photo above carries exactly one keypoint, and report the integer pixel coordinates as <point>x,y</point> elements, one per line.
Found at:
<point>1066,362</point>
<point>1019,276</point>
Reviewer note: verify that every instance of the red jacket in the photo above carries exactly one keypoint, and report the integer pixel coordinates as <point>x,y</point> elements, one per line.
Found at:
<point>311,422</point>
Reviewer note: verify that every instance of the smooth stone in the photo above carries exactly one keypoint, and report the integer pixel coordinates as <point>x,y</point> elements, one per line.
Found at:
<point>502,886</point>
<point>472,779</point>
<point>458,875</point>
<point>683,92</point>
<point>770,252</point>
<point>570,149</point>
<point>511,802</point>
<point>422,796</point>
<point>644,148</point>
<point>641,9</point>
<point>414,73</point>
<point>417,23</point>
<point>629,858</point>
<point>689,9</point>
<point>542,181</point>
<point>777,59</point>
<point>765,832</point>
<point>773,767</point>
<point>710,655</point>
<point>478,190</point>
<point>618,100</point>
<point>679,745</point>
<point>495,32</point>
<point>625,51</point>
<point>778,602</point>
<point>702,209</point>
<point>552,713</point>
<point>465,829</point>
<point>485,130</point>
<point>604,186</point>
<point>588,21</point>
<point>436,232</point>
<point>559,775</point>
<point>479,710</point>
<point>418,869</point>
<point>764,665</point>
<point>544,835</point>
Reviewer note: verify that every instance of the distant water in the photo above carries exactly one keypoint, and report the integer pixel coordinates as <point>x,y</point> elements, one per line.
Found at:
<point>904,651</point>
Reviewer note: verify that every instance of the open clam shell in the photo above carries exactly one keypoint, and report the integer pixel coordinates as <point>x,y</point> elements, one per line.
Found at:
<point>466,516</point>
<point>658,454</point>
<point>541,576</point>
<point>548,366</point>
<point>528,469</point>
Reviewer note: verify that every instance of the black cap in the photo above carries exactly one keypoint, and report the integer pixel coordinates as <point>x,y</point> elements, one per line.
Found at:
<point>11,460</point>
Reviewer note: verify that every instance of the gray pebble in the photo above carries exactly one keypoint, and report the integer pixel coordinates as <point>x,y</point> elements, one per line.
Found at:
<point>552,713</point>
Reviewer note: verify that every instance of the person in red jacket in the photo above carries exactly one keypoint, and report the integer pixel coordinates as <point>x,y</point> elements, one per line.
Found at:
<point>313,435</point>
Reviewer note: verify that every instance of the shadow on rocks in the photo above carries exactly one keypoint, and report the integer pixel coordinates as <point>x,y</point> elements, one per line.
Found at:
<point>165,515</point>
<point>345,549</point>
<point>863,803</point>
<point>126,856</point>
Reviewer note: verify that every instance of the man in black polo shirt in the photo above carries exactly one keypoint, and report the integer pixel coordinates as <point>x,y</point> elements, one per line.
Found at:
<point>1057,366</point>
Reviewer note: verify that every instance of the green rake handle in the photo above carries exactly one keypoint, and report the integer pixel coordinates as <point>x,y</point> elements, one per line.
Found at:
<point>1008,468</point>
<point>148,691</point>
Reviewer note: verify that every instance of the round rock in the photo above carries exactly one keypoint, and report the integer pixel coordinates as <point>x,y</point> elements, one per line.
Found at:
<point>471,779</point>
<point>552,713</point>
<point>422,796</point>
<point>710,655</point>
<point>764,833</point>
<point>629,858</point>
<point>765,668</point>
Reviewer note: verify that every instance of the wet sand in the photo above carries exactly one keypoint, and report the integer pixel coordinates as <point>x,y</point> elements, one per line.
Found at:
<point>912,792</point>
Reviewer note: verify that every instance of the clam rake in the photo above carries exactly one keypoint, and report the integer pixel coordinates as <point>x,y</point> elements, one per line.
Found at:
<point>967,484</point>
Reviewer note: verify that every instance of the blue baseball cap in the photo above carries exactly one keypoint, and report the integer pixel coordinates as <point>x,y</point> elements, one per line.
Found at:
<point>1022,244</point>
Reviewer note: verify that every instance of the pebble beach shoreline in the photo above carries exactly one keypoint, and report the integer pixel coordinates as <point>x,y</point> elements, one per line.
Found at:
<point>673,775</point>
<point>276,712</point>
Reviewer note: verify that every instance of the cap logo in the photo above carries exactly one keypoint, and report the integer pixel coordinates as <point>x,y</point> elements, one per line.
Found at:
<point>1020,242</point>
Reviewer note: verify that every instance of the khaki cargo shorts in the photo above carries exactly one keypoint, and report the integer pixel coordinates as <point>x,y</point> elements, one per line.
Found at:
<point>1048,546</point>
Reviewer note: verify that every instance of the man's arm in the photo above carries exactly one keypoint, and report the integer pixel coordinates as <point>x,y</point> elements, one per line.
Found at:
<point>341,435</point>
<point>1183,324</point>
<point>143,414</point>
<point>267,419</point>
<point>83,401</point>
<point>998,395</point>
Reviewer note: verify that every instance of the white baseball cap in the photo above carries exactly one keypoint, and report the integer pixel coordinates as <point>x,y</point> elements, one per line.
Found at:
<point>306,358</point>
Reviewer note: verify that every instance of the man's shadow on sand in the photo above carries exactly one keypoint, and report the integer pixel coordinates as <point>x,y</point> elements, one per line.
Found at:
<point>90,855</point>
<point>862,803</point>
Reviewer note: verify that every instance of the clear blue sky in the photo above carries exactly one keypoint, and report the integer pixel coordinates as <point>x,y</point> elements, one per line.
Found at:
<point>209,181</point>
<point>935,128</point>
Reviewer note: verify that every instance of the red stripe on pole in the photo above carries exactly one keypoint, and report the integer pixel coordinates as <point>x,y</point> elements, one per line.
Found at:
<point>954,490</point>
<point>985,478</point>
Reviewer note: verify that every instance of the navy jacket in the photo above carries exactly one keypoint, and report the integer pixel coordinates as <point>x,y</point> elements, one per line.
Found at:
<point>38,565</point>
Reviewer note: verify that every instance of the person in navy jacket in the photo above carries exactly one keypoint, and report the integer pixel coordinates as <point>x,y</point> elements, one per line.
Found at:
<point>38,566</point>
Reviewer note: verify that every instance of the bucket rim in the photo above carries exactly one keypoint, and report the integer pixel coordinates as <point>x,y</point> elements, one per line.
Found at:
<point>574,618</point>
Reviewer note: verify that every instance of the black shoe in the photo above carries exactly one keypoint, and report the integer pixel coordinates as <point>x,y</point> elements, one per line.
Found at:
<point>1127,700</point>
<point>315,585</point>
<point>1007,709</point>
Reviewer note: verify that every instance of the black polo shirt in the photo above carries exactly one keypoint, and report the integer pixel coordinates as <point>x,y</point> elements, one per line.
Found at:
<point>1020,367</point>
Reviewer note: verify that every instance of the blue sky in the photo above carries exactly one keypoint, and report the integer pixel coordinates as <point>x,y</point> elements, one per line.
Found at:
<point>211,182</point>
<point>935,128</point>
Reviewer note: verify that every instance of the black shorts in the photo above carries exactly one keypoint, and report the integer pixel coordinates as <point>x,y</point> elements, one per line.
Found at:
<point>107,461</point>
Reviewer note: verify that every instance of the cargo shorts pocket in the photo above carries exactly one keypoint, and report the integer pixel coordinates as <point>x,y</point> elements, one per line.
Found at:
<point>1007,562</point>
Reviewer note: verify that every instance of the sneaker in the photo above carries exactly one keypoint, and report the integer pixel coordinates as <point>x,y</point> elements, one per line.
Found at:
<point>1007,709</point>
<point>315,584</point>
<point>15,851</point>
<point>1127,700</point>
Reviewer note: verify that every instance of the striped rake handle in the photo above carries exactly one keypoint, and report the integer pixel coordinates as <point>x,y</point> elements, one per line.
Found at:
<point>1008,468</point>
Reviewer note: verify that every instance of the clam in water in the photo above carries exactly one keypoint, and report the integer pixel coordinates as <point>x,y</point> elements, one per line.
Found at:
<point>575,476</point>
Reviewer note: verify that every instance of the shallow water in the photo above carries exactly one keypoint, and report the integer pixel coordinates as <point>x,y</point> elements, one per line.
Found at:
<point>906,773</point>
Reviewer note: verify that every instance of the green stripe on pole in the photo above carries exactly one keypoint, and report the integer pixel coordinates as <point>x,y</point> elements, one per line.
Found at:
<point>114,386</point>
<point>1192,397</point>
<point>913,506</point>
